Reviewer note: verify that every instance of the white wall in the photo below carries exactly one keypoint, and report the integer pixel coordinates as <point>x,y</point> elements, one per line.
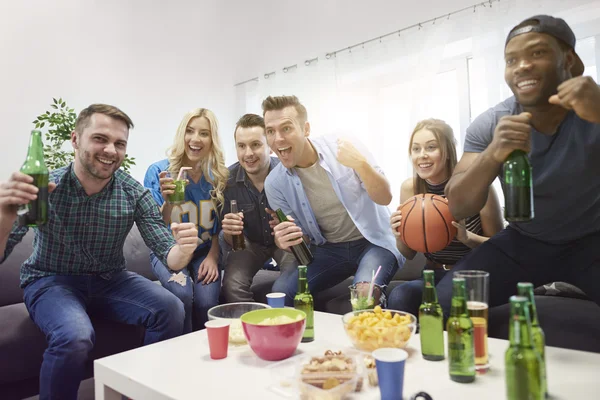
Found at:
<point>154,61</point>
<point>157,59</point>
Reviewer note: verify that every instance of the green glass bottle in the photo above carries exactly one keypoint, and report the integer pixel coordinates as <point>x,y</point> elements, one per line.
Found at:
<point>431,321</point>
<point>517,187</point>
<point>525,289</point>
<point>523,364</point>
<point>36,212</point>
<point>304,301</point>
<point>461,347</point>
<point>301,251</point>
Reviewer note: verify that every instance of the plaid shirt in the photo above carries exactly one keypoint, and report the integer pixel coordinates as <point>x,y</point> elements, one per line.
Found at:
<point>85,234</point>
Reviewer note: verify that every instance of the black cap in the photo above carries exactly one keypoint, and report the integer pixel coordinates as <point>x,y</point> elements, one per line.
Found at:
<point>556,27</point>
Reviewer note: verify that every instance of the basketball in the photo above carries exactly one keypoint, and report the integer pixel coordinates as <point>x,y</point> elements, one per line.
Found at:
<point>426,223</point>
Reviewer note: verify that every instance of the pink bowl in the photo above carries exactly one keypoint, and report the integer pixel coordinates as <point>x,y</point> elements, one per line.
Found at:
<point>273,342</point>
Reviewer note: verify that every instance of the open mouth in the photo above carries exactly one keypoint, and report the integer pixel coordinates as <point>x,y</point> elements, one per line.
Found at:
<point>106,161</point>
<point>195,149</point>
<point>285,151</point>
<point>425,165</point>
<point>527,85</point>
<point>251,163</point>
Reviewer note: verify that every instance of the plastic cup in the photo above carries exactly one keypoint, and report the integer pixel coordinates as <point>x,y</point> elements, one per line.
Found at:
<point>389,363</point>
<point>178,197</point>
<point>218,337</point>
<point>359,296</point>
<point>276,300</point>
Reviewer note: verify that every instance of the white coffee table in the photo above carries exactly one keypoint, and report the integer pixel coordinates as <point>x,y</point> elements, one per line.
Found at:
<point>181,369</point>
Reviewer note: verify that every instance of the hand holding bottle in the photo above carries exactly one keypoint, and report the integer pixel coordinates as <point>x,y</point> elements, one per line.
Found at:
<point>513,132</point>
<point>287,234</point>
<point>17,191</point>
<point>233,223</point>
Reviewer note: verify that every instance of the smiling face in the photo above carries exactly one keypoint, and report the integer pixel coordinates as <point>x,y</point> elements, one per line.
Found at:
<point>252,150</point>
<point>287,137</point>
<point>197,139</point>
<point>426,156</point>
<point>101,146</point>
<point>535,65</point>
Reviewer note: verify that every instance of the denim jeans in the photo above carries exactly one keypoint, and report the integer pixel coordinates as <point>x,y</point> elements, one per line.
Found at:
<point>241,266</point>
<point>197,298</point>
<point>408,295</point>
<point>334,262</point>
<point>511,257</point>
<point>59,306</point>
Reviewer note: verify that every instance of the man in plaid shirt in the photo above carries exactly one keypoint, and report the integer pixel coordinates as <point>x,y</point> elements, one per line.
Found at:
<point>77,263</point>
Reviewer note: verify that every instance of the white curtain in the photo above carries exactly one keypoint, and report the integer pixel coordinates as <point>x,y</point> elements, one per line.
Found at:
<point>451,69</point>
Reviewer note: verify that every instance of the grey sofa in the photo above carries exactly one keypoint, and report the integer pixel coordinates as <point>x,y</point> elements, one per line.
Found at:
<point>22,344</point>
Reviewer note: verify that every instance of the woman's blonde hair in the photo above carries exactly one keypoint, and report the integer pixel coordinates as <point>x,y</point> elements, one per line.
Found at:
<point>445,137</point>
<point>213,166</point>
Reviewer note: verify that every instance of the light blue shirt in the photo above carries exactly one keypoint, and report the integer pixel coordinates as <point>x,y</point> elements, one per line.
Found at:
<point>284,190</point>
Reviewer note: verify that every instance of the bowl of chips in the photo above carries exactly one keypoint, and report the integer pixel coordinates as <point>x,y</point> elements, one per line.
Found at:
<point>274,333</point>
<point>232,313</point>
<point>371,330</point>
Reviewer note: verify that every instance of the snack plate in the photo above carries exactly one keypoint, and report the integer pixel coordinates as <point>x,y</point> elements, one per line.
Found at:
<point>285,374</point>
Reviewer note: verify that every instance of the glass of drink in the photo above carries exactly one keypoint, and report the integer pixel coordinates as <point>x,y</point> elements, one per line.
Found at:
<point>477,285</point>
<point>178,197</point>
<point>359,296</point>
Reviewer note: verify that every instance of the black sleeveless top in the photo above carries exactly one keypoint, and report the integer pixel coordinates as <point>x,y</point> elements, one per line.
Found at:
<point>456,249</point>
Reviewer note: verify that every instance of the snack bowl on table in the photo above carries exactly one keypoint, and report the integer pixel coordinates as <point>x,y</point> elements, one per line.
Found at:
<point>232,312</point>
<point>369,330</point>
<point>330,376</point>
<point>274,333</point>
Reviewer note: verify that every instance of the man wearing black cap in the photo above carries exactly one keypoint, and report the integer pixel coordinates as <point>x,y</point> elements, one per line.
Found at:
<point>554,116</point>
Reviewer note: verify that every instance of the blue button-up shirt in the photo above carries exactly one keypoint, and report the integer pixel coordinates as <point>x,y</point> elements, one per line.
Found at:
<point>284,190</point>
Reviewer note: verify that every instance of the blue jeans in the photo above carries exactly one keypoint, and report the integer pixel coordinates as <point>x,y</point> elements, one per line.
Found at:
<point>511,257</point>
<point>408,295</point>
<point>334,262</point>
<point>201,296</point>
<point>59,306</point>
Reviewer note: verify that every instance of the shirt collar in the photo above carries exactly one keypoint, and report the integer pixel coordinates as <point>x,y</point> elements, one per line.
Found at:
<point>242,177</point>
<point>320,157</point>
<point>79,187</point>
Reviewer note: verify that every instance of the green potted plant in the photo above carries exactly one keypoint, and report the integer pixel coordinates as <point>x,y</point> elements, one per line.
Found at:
<point>59,123</point>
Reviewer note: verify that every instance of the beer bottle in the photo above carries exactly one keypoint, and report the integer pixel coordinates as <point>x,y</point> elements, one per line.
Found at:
<point>431,321</point>
<point>461,348</point>
<point>517,187</point>
<point>238,241</point>
<point>36,212</point>
<point>304,301</point>
<point>522,361</point>
<point>301,251</point>
<point>525,289</point>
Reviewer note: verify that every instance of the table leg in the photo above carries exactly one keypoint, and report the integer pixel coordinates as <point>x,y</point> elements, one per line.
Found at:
<point>103,392</point>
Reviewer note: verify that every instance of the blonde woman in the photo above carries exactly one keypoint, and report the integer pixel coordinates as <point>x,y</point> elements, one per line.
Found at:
<point>198,147</point>
<point>432,150</point>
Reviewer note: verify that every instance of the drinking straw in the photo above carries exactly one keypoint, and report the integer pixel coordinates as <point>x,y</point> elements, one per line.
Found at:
<point>181,172</point>
<point>371,286</point>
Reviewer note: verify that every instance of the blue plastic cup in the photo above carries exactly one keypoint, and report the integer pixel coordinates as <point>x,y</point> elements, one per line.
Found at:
<point>276,300</point>
<point>390,372</point>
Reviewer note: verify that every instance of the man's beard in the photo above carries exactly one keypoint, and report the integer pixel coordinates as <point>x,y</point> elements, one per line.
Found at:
<point>87,161</point>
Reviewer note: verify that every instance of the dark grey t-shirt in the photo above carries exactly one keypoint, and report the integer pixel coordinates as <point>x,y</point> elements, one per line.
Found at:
<point>566,174</point>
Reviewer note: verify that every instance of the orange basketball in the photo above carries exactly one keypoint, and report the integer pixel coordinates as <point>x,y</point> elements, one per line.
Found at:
<point>426,223</point>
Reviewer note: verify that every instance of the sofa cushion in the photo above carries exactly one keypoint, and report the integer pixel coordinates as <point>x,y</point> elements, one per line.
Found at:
<point>10,289</point>
<point>567,322</point>
<point>21,344</point>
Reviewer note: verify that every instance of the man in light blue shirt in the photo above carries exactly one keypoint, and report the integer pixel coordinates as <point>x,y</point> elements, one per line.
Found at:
<point>335,195</point>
